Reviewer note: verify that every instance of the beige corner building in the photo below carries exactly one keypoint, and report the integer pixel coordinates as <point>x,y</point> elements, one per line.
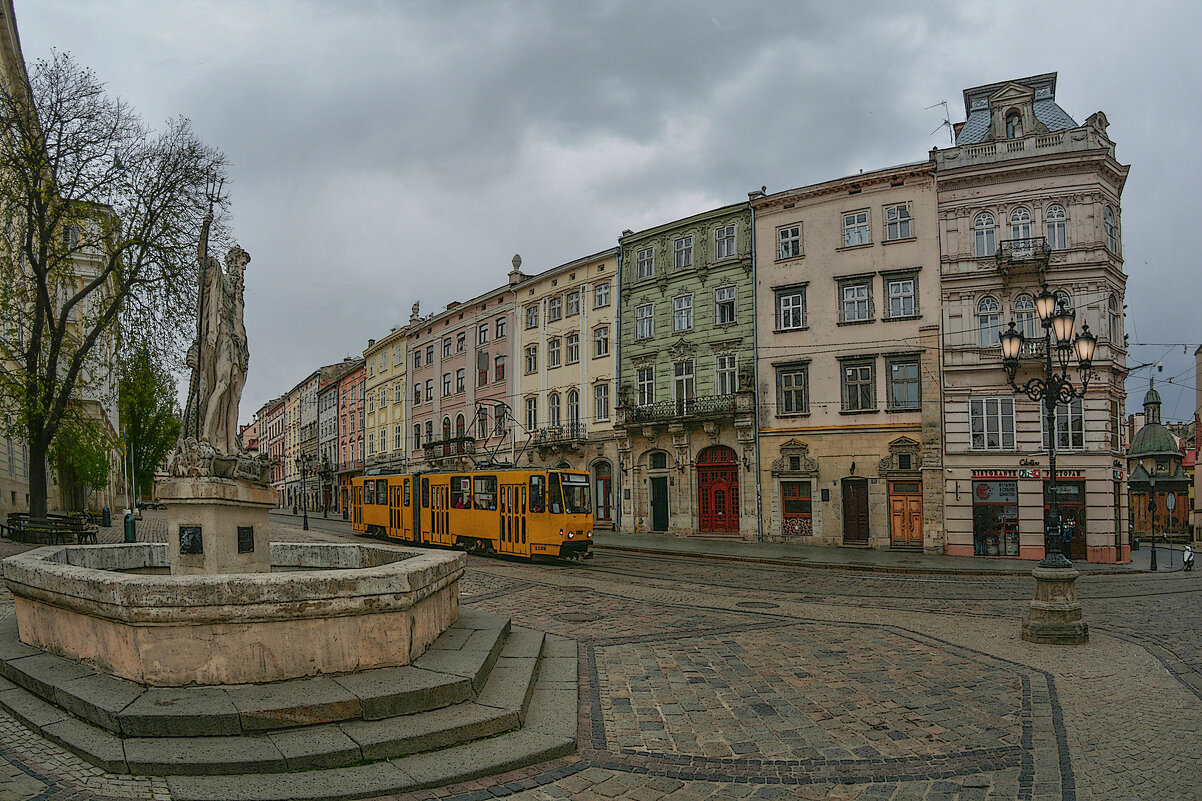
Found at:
<point>848,367</point>
<point>1029,196</point>
<point>385,390</point>
<point>564,387</point>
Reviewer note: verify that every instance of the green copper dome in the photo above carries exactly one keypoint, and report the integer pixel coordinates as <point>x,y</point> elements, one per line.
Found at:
<point>1153,440</point>
<point>1152,397</point>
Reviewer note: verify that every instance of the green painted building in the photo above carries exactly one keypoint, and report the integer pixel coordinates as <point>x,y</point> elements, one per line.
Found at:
<point>685,415</point>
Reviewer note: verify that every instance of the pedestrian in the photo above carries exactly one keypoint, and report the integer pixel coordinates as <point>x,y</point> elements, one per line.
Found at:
<point>1188,559</point>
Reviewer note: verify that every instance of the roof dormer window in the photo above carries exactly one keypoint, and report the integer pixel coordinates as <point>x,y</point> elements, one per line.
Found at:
<point>1014,125</point>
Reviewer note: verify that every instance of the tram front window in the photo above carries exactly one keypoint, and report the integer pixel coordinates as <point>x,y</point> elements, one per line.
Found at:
<point>575,494</point>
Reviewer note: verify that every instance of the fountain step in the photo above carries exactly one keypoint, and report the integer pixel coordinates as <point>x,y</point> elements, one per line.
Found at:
<point>452,671</point>
<point>530,680</point>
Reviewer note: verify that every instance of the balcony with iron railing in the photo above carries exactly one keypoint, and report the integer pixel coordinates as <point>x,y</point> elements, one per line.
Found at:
<point>699,408</point>
<point>551,435</point>
<point>450,446</point>
<point>1032,251</point>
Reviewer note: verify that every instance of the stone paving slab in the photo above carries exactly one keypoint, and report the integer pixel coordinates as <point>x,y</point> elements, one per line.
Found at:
<point>181,712</point>
<point>98,698</point>
<point>360,781</point>
<point>101,748</point>
<point>316,747</point>
<point>29,709</point>
<point>300,702</point>
<point>43,673</point>
<point>510,683</point>
<point>483,758</point>
<point>439,728</point>
<point>166,756</point>
<point>404,690</point>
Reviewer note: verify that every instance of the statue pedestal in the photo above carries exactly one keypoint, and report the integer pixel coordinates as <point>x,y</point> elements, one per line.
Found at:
<point>217,525</point>
<point>1054,617</point>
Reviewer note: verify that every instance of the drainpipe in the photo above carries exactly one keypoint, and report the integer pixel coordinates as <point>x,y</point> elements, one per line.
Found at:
<point>755,379</point>
<point>616,386</point>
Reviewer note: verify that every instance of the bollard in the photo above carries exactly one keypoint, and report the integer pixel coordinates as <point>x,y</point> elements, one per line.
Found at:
<point>131,533</point>
<point>106,517</point>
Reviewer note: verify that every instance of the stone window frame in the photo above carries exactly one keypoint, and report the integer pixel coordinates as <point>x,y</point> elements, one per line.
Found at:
<point>789,239</point>
<point>887,278</point>
<point>849,384</point>
<point>682,253</point>
<point>898,359</point>
<point>793,368</point>
<point>857,228</point>
<point>901,226</point>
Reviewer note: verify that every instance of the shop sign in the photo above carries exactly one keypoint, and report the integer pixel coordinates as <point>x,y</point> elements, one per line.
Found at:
<point>1118,475</point>
<point>995,492</point>
<point>1062,473</point>
<point>1007,472</point>
<point>1029,472</point>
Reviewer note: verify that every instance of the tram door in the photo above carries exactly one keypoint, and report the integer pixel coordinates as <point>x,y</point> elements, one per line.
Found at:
<point>512,535</point>
<point>395,524</point>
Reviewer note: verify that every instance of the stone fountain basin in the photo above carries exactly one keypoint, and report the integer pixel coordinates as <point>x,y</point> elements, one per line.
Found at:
<point>324,608</point>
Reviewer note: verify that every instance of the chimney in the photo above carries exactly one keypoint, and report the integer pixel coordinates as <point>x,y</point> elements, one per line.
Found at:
<point>370,342</point>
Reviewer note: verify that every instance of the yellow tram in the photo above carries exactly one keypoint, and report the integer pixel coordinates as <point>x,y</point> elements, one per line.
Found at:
<point>511,511</point>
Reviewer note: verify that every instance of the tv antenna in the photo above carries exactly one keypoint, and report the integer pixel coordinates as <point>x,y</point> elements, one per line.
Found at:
<point>947,122</point>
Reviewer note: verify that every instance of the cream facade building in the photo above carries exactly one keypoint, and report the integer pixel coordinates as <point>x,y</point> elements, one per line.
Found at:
<point>385,389</point>
<point>565,384</point>
<point>848,367</point>
<point>1028,196</point>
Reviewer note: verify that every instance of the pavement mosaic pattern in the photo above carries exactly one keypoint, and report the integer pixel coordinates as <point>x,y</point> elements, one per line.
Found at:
<point>704,679</point>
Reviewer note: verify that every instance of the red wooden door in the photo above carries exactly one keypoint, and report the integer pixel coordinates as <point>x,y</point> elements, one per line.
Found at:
<point>718,490</point>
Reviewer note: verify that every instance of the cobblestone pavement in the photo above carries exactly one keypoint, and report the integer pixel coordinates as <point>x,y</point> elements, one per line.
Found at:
<point>707,679</point>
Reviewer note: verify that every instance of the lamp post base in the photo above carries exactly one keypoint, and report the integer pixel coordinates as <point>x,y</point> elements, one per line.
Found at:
<point>1054,617</point>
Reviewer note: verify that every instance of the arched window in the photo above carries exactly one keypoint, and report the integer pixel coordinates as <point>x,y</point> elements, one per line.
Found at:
<point>429,431</point>
<point>1112,309</point>
<point>658,461</point>
<point>988,318</point>
<point>1014,125</point>
<point>573,410</point>
<point>446,436</point>
<point>986,244</point>
<point>1055,219</point>
<point>1020,223</point>
<point>1024,316</point>
<point>460,431</point>
<point>1112,231</point>
<point>553,409</point>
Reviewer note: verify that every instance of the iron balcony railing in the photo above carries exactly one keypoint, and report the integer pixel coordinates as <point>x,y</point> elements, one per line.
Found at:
<point>708,406</point>
<point>1031,250</point>
<point>572,432</point>
<point>451,446</point>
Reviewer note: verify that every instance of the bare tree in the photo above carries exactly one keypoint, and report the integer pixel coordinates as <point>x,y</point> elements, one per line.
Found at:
<point>99,218</point>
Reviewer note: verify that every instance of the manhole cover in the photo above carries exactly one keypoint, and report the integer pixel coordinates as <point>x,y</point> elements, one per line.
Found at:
<point>578,617</point>
<point>757,605</point>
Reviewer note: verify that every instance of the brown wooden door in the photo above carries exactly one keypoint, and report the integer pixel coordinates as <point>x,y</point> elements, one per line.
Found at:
<point>905,513</point>
<point>855,511</point>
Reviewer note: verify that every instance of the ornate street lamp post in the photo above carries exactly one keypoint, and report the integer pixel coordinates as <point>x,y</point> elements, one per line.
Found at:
<point>304,463</point>
<point>1055,614</point>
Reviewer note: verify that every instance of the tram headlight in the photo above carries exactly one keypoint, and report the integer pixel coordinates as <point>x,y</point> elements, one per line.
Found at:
<point>571,534</point>
<point>590,535</point>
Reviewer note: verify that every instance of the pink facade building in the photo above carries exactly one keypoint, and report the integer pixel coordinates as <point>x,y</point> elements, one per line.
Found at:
<point>350,431</point>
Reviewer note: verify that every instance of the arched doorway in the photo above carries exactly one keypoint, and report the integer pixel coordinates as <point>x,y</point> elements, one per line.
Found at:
<point>657,475</point>
<point>603,499</point>
<point>718,490</point>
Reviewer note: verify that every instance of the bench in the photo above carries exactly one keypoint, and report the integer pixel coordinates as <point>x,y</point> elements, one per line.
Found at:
<point>49,530</point>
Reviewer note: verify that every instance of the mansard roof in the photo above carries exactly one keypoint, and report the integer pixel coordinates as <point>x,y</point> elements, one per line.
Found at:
<point>976,106</point>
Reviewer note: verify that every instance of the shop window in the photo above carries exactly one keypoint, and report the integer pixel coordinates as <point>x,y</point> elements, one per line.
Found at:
<point>995,518</point>
<point>796,508</point>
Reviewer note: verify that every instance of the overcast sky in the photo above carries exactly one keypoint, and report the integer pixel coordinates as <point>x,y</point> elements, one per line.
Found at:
<point>388,152</point>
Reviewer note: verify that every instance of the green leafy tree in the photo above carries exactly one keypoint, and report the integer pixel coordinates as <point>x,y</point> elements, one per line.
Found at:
<point>149,415</point>
<point>82,453</point>
<point>99,218</point>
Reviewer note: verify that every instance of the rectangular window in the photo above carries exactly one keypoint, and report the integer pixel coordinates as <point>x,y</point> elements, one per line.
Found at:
<point>991,421</point>
<point>1116,421</point>
<point>446,347</point>
<point>383,398</point>
<point>383,362</point>
<point>855,301</point>
<point>460,379</point>
<point>601,295</point>
<point>398,436</point>
<point>499,421</point>
<point>792,389</point>
<point>859,386</point>
<point>531,414</point>
<point>482,334</point>
<point>724,242</point>
<point>482,363</point>
<point>429,354</point>
<point>398,393</point>
<point>645,263</point>
<point>904,392</point>
<point>725,374</point>
<point>796,509</point>
<point>429,389</point>
<point>573,344</point>
<point>552,353</point>
<point>855,228</point>
<point>788,241</point>
<point>601,402</point>
<point>371,444</point>
<point>1070,426</point>
<point>417,359</point>
<point>646,385</point>
<point>724,305</point>
<point>484,495</point>
<point>682,253</point>
<point>684,387</point>
<point>644,321</point>
<point>482,422</point>
<point>502,324</point>
<point>601,341</point>
<point>574,303</point>
<point>791,308</point>
<point>554,309</point>
<point>682,313</point>
<point>417,437</point>
<point>371,402</point>
<point>531,359</point>
<point>461,342</point>
<point>532,316</point>
<point>903,296</point>
<point>897,222</point>
<point>446,384</point>
<point>499,369</point>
